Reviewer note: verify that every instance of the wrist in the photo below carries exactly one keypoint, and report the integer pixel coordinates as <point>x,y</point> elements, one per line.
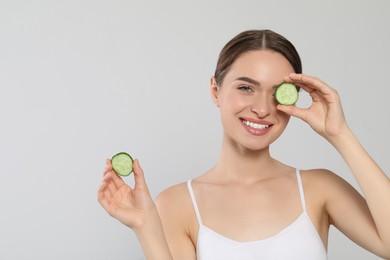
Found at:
<point>152,238</point>
<point>343,140</point>
<point>149,221</point>
<point>339,135</point>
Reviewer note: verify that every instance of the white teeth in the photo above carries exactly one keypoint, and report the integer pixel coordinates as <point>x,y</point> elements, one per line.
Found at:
<point>254,125</point>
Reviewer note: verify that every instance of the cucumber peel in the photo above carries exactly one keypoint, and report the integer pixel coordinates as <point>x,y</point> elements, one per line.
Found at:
<point>286,94</point>
<point>122,163</point>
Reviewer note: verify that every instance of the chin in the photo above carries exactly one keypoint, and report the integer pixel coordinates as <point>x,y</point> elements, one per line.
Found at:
<point>254,146</point>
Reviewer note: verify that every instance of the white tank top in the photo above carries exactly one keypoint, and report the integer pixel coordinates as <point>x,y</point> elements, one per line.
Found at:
<point>298,241</point>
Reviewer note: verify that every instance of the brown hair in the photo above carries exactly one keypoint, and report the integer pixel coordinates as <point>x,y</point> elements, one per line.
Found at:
<point>255,40</point>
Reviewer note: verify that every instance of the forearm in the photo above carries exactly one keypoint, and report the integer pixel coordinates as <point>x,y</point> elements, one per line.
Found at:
<point>373,182</point>
<point>152,239</point>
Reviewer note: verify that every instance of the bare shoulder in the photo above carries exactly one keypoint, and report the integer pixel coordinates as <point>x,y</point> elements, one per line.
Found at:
<point>175,206</point>
<point>331,189</point>
<point>323,180</point>
<point>318,174</point>
<point>173,194</point>
<point>179,221</point>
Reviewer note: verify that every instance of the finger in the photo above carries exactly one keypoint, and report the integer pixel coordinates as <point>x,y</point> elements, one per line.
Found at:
<point>293,111</point>
<point>101,189</point>
<point>112,187</point>
<point>116,180</point>
<point>107,184</point>
<point>103,193</point>
<point>109,173</point>
<point>139,176</point>
<point>309,83</point>
<point>301,85</point>
<point>108,167</point>
<point>105,196</point>
<point>306,88</point>
<point>104,201</point>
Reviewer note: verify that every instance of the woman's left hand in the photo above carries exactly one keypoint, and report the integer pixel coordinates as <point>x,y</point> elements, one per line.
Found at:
<point>325,115</point>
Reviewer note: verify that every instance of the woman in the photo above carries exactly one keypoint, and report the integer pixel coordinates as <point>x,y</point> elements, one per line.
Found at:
<point>249,205</point>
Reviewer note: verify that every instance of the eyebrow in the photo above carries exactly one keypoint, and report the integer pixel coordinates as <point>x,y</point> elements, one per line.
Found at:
<point>255,82</point>
<point>249,80</point>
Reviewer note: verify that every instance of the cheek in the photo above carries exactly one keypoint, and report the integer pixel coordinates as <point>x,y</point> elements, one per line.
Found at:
<point>283,118</point>
<point>230,107</point>
<point>234,103</point>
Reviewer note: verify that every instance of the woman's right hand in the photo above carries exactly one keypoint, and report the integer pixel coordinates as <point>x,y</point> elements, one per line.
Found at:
<point>133,207</point>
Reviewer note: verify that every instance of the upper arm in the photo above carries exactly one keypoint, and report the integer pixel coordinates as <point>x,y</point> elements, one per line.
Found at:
<point>349,212</point>
<point>175,212</point>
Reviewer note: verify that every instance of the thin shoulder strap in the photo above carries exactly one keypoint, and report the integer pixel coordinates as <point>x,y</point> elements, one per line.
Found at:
<point>189,184</point>
<point>300,186</point>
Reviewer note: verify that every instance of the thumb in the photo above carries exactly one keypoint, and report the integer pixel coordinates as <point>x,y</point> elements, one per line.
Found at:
<point>293,111</point>
<point>139,176</point>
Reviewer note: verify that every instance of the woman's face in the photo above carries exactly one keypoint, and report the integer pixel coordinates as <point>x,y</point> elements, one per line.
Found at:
<point>246,99</point>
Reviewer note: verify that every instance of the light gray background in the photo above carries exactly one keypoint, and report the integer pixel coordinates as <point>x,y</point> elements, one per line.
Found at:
<point>81,80</point>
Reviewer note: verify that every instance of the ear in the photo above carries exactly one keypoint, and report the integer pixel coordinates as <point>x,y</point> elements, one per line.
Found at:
<point>214,90</point>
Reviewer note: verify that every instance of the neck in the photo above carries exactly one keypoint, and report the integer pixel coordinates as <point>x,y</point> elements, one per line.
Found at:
<point>243,165</point>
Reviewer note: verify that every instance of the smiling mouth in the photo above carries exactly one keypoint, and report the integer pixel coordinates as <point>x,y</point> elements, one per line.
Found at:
<point>254,125</point>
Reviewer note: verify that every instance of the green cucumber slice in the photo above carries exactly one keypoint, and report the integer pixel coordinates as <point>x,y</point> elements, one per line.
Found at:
<point>122,163</point>
<point>286,94</point>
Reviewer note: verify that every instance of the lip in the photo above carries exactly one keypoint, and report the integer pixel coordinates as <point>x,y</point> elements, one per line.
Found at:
<point>253,131</point>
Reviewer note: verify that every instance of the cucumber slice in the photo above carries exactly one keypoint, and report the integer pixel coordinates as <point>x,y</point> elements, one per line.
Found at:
<point>286,94</point>
<point>122,163</point>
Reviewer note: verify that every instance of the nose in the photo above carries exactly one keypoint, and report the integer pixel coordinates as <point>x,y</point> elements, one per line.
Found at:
<point>262,105</point>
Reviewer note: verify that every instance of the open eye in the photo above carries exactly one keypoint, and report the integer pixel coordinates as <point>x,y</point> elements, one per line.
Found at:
<point>245,88</point>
